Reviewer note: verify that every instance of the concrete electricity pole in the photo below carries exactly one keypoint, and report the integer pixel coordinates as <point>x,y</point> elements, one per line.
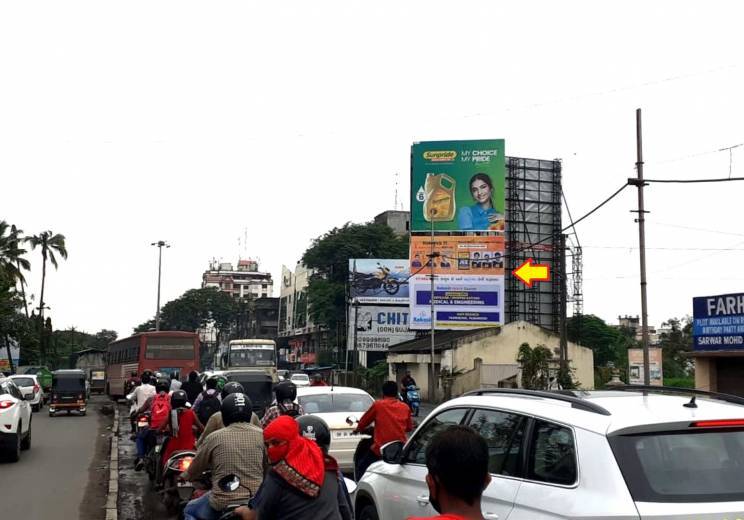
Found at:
<point>160,244</point>
<point>638,182</point>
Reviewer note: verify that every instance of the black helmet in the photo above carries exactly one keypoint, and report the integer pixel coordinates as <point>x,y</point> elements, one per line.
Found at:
<point>162,385</point>
<point>179,399</point>
<point>315,428</point>
<point>231,388</point>
<point>236,407</point>
<point>285,391</point>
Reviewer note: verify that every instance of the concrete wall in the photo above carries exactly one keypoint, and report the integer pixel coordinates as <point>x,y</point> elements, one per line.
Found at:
<point>418,364</point>
<point>706,374</point>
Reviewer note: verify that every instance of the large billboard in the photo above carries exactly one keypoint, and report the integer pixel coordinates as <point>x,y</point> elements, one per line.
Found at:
<point>458,255</point>
<point>635,366</point>
<point>460,301</point>
<point>378,328</point>
<point>458,185</point>
<point>718,322</point>
<point>378,281</point>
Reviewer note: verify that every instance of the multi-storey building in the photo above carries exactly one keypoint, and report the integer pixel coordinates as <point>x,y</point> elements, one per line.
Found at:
<point>244,282</point>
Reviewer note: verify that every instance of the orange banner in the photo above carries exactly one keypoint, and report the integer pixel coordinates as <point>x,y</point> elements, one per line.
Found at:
<point>458,255</point>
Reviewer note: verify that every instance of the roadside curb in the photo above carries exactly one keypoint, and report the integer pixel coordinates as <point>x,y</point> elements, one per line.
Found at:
<point>113,487</point>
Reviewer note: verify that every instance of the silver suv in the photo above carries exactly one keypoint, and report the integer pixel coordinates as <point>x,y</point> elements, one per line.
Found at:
<point>635,453</point>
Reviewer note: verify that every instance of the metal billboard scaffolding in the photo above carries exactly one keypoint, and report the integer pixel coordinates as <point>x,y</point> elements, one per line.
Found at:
<point>533,230</point>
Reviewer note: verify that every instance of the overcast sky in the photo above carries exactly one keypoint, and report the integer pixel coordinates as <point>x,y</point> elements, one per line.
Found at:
<point>130,122</point>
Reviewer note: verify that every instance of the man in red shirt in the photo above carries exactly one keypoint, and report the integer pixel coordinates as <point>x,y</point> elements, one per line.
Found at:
<point>457,460</point>
<point>392,420</point>
<point>318,381</point>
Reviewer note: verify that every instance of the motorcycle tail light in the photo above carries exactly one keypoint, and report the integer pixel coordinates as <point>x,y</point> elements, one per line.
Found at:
<point>80,396</point>
<point>182,464</point>
<point>4,405</point>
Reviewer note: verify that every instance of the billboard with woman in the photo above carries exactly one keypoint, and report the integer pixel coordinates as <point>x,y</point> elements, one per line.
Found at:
<point>458,185</point>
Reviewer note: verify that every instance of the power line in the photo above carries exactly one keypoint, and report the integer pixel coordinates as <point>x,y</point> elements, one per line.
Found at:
<point>693,181</point>
<point>669,248</point>
<point>690,228</point>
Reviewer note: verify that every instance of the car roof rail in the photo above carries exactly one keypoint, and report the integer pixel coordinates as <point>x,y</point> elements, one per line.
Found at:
<point>562,395</point>
<point>735,399</point>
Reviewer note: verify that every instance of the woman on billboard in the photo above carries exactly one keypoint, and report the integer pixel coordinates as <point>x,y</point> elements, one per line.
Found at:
<point>481,216</point>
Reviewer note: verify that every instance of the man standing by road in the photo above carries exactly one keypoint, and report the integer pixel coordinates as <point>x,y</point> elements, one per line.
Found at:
<point>392,420</point>
<point>237,449</point>
<point>457,460</point>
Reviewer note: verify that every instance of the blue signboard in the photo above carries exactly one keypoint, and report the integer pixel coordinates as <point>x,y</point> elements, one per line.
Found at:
<point>718,322</point>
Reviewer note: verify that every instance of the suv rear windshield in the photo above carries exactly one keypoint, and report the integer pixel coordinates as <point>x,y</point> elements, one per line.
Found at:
<point>686,466</point>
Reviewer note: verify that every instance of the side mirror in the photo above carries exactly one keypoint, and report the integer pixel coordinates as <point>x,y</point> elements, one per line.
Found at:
<point>229,483</point>
<point>350,486</point>
<point>392,452</point>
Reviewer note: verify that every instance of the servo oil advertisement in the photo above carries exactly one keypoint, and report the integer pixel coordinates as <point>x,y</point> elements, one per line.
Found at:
<point>458,185</point>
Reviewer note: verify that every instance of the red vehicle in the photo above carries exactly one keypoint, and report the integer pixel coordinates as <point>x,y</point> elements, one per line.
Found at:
<point>164,351</point>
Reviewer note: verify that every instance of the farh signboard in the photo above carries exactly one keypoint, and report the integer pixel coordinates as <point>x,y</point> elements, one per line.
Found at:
<point>458,185</point>
<point>718,322</point>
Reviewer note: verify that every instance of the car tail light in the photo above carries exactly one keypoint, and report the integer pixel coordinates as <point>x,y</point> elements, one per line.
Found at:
<point>36,389</point>
<point>722,423</point>
<point>4,405</point>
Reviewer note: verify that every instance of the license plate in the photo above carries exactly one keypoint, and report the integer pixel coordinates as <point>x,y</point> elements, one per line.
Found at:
<point>342,434</point>
<point>142,424</point>
<point>182,483</point>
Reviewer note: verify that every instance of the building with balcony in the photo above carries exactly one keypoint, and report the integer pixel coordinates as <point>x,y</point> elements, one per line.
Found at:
<point>243,281</point>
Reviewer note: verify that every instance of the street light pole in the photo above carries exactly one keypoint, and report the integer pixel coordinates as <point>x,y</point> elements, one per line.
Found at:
<point>160,244</point>
<point>432,372</point>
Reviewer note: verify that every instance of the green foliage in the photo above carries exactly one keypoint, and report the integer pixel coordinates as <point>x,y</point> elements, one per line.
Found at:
<point>609,344</point>
<point>535,364</point>
<point>329,257</point>
<point>674,345</point>
<point>371,379</point>
<point>680,382</point>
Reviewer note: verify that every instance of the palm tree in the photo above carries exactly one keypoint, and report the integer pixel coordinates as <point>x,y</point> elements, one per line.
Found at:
<point>49,243</point>
<point>11,255</point>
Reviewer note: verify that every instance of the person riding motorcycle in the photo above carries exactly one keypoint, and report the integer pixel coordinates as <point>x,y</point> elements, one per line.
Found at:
<point>137,395</point>
<point>298,486</point>
<point>208,402</point>
<point>182,426</point>
<point>215,421</point>
<point>316,429</point>
<point>284,403</point>
<point>236,449</point>
<point>318,380</point>
<point>407,381</point>
<point>159,407</point>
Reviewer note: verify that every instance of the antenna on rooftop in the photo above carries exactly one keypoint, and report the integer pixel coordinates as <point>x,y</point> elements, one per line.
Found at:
<point>395,206</point>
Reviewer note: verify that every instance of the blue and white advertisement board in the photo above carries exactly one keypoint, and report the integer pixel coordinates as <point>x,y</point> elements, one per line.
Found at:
<point>460,301</point>
<point>718,322</point>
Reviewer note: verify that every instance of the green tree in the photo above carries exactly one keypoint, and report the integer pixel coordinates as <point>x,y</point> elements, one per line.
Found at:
<point>535,364</point>
<point>11,254</point>
<point>675,344</point>
<point>609,344</point>
<point>50,243</point>
<point>328,257</point>
<point>102,339</point>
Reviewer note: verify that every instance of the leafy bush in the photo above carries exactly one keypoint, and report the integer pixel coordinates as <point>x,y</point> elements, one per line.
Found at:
<point>680,382</point>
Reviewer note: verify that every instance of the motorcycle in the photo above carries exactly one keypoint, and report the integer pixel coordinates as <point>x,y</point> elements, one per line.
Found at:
<point>368,281</point>
<point>413,399</point>
<point>177,491</point>
<point>363,447</point>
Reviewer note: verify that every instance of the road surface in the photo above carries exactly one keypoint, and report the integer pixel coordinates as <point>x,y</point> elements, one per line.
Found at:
<point>65,473</point>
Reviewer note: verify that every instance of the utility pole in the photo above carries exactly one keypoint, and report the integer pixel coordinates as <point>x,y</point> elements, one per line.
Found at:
<point>563,308</point>
<point>356,338</point>
<point>638,182</point>
<point>432,321</point>
<point>160,244</point>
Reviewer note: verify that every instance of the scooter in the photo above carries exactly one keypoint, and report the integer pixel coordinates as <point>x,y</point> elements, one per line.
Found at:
<point>414,399</point>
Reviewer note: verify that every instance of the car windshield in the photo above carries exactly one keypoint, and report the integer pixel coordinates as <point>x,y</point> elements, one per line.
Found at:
<point>299,377</point>
<point>24,381</point>
<point>335,402</point>
<point>247,356</point>
<point>686,466</point>
<point>68,384</point>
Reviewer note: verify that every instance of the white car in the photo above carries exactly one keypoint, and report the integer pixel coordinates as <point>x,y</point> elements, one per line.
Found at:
<point>631,454</point>
<point>300,380</point>
<point>15,421</point>
<point>334,404</point>
<point>31,390</point>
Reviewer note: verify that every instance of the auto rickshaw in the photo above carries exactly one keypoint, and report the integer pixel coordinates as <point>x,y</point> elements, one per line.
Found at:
<point>68,391</point>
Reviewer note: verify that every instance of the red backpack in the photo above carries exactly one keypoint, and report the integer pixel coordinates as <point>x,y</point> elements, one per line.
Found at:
<point>159,411</point>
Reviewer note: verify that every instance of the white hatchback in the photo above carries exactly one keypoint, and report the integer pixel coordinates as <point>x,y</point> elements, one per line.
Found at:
<point>634,454</point>
<point>334,404</point>
<point>300,380</point>
<point>15,421</point>
<point>31,390</point>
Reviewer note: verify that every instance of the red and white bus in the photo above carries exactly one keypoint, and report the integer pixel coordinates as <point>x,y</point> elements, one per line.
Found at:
<point>163,351</point>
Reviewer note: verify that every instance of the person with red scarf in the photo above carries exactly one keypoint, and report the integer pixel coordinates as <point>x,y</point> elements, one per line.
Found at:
<point>296,487</point>
<point>457,460</point>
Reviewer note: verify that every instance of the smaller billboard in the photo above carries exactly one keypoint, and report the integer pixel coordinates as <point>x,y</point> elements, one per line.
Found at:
<point>458,255</point>
<point>15,354</point>
<point>379,328</point>
<point>373,280</point>
<point>635,366</point>
<point>460,301</point>
<point>718,322</point>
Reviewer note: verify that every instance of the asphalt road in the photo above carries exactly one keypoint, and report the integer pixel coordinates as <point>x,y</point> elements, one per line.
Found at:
<point>63,475</point>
